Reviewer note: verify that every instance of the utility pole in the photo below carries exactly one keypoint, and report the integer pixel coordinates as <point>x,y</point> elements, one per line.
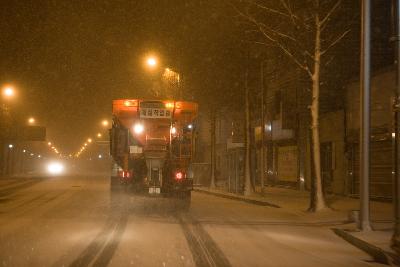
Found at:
<point>365,87</point>
<point>396,124</point>
<point>262,163</point>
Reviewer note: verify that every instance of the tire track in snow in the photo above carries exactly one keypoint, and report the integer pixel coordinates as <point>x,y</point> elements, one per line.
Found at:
<point>204,250</point>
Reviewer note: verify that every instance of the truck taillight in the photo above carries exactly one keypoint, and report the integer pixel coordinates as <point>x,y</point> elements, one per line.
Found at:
<point>179,175</point>
<point>125,174</point>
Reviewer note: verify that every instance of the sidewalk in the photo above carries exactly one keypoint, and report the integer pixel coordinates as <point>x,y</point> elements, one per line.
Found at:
<point>376,242</point>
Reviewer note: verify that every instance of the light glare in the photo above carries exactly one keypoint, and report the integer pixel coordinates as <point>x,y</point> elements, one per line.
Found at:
<point>8,91</point>
<point>55,168</point>
<point>138,128</point>
<point>151,61</point>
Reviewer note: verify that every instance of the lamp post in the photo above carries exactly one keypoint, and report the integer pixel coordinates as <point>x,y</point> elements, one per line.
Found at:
<point>170,75</point>
<point>151,63</point>
<point>365,87</point>
<point>396,108</point>
<point>7,94</point>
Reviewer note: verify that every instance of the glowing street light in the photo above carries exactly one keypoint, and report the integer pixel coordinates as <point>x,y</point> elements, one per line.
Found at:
<point>89,140</point>
<point>151,62</point>
<point>8,91</point>
<point>104,123</point>
<point>31,120</point>
<point>99,135</point>
<point>49,143</point>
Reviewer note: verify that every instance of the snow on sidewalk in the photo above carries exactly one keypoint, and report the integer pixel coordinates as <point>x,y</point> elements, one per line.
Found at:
<point>296,201</point>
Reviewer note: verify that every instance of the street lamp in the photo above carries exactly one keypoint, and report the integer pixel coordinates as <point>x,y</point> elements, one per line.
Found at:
<point>8,91</point>
<point>31,120</point>
<point>170,77</point>
<point>104,123</point>
<point>99,135</point>
<point>151,62</point>
<point>89,140</point>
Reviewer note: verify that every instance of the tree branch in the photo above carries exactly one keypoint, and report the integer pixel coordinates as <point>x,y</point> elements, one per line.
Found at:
<point>335,42</point>
<point>293,17</point>
<point>287,52</point>
<point>264,31</point>
<point>271,10</point>
<point>327,16</point>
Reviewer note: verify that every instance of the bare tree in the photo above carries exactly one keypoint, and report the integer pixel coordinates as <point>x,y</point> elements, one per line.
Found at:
<point>248,188</point>
<point>300,30</point>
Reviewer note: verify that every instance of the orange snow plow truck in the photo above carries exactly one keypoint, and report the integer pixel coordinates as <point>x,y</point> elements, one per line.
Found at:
<point>151,143</point>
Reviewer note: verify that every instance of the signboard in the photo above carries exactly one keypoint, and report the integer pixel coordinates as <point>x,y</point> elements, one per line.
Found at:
<point>135,150</point>
<point>155,113</point>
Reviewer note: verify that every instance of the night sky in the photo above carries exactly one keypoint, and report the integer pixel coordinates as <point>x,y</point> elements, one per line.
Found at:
<point>69,59</point>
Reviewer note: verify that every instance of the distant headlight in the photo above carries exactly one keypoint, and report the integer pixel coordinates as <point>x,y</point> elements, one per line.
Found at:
<point>55,168</point>
<point>138,128</point>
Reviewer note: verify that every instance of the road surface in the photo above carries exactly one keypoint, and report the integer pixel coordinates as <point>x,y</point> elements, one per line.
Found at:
<point>75,221</point>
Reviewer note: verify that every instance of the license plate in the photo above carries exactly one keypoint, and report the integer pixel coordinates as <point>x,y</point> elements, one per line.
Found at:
<point>154,190</point>
<point>154,113</point>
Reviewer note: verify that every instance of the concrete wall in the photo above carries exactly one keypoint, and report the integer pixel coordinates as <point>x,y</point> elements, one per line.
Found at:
<point>382,88</point>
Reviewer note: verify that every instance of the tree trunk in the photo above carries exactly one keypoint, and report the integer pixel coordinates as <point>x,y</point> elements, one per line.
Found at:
<point>213,149</point>
<point>248,189</point>
<point>317,200</point>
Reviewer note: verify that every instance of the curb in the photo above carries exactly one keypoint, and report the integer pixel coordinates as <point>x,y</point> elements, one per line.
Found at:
<point>239,198</point>
<point>378,254</point>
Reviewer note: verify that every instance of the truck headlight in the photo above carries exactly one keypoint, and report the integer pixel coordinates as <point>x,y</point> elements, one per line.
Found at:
<point>138,128</point>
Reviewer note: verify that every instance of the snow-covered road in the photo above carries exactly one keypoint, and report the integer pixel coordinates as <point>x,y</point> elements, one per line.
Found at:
<point>75,221</point>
